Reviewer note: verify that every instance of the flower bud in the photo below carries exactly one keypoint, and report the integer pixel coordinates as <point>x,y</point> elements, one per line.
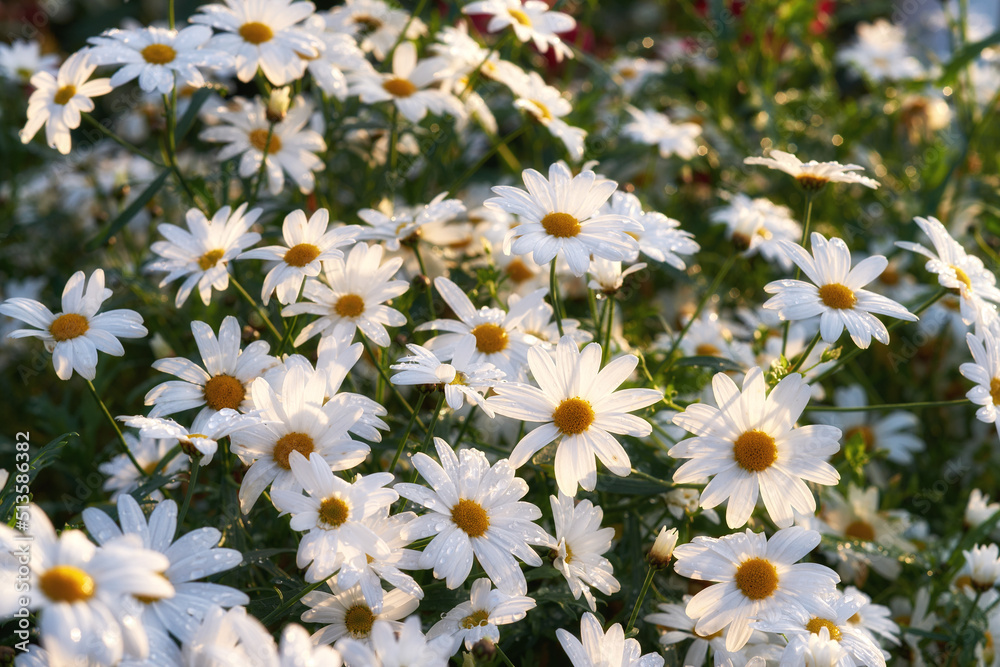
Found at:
<point>663,548</point>
<point>278,103</point>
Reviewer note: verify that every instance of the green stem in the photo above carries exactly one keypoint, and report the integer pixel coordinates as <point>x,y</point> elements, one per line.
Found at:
<point>606,354</point>
<point>406,433</point>
<point>170,19</point>
<point>465,426</point>
<point>132,148</point>
<point>556,301</point>
<point>430,288</point>
<point>385,377</point>
<point>638,602</point>
<point>169,108</point>
<point>287,604</point>
<point>256,307</point>
<point>888,406</point>
<point>287,337</point>
<point>804,242</point>
<point>498,146</point>
<point>503,656</point>
<point>804,354</point>
<point>430,433</point>
<point>114,425</point>
<point>192,482</point>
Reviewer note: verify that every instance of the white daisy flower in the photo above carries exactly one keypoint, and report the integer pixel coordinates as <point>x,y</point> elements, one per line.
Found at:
<point>598,648</point>
<point>982,566</point>
<point>499,339</point>
<point>755,575</point>
<point>353,297</point>
<point>793,622</point>
<point>656,129</point>
<point>607,277</point>
<point>460,380</point>
<point>548,106</point>
<point>76,334</point>
<point>813,175</point>
<point>408,86</point>
<point>475,510</point>
<point>660,238</point>
<point>750,444</point>
<point>58,101</point>
<point>757,226</point>
<point>202,439</point>
<point>533,21</point>
<point>956,269</point>
<point>815,649</point>
<point>223,382</point>
<point>873,619</point>
<point>348,614</point>
<point>680,627</point>
<point>193,556</point>
<point>334,513</point>
<point>291,147</point>
<point>479,617</point>
<point>979,509</point>
<point>22,58</point>
<point>376,25</point>
<point>308,243</point>
<point>580,541</point>
<point>201,253</point>
<point>123,478</point>
<point>390,648</point>
<point>83,594</point>
<point>299,422</point>
<point>262,33</point>
<point>836,293</point>
<point>891,433</point>
<point>538,322</point>
<point>576,402</point>
<point>984,370</point>
<point>405,223</point>
<point>561,216</point>
<point>881,52</point>
<point>338,55</point>
<point>632,73</point>
<point>156,55</point>
<point>366,569</point>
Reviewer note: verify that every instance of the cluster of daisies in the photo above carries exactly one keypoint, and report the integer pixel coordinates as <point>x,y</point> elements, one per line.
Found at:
<point>497,395</point>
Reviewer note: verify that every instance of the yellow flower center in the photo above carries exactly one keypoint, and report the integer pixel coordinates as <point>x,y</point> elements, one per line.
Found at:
<point>569,554</point>
<point>256,33</point>
<point>150,599</point>
<point>298,442</point>
<point>159,54</point>
<point>755,451</point>
<point>837,296</point>
<point>64,94</point>
<point>349,305</point>
<point>210,259</point>
<point>866,433</point>
<point>65,583</point>
<point>367,23</point>
<point>359,620</point>
<point>573,416</point>
<point>817,624</point>
<point>628,73</point>
<point>224,391</point>
<point>811,182</point>
<point>962,277</point>
<point>520,17</point>
<point>480,618</point>
<point>68,325</point>
<point>301,254</point>
<point>461,379</point>
<point>757,578</point>
<point>258,139</point>
<point>860,530</point>
<point>333,511</point>
<point>490,338</point>
<point>398,87</point>
<point>995,390</point>
<point>470,517</point>
<point>707,350</point>
<point>518,272</point>
<point>561,225</point>
<point>543,114</point>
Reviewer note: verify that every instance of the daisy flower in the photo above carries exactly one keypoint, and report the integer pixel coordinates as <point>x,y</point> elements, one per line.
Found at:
<point>201,253</point>
<point>956,269</point>
<point>836,294</point>
<point>607,277</point>
<point>156,55</point>
<point>632,73</point>
<point>22,58</point>
<point>754,575</point>
<point>76,334</point>
<point>475,511</point>
<point>57,101</point>
<point>366,569</point>
<point>750,444</point>
<point>979,509</point>
<point>891,433</point>
<point>982,566</point>
<point>353,297</point>
<point>291,147</point>
<point>202,439</point>
<point>881,52</point>
<point>297,422</point>
<point>577,404</point>
<point>815,649</point>
<point>479,617</point>
<point>333,512</point>
<point>655,129</point>
<point>812,176</point>
<point>193,556</point>
<point>308,243</point>
<point>660,238</point>
<point>984,370</point>
<point>83,594</point>
<point>223,382</point>
<point>499,339</point>
<point>376,24</point>
<point>408,86</point>
<point>123,478</point>
<point>531,21</point>
<point>561,216</point>
<point>680,627</point>
<point>872,619</point>
<point>757,225</point>
<point>579,543</point>
<point>548,106</point>
<point>338,55</point>
<point>460,380</point>
<point>598,648</point>
<point>262,33</point>
<point>540,324</point>
<point>390,648</point>
<point>405,223</point>
<point>348,614</point>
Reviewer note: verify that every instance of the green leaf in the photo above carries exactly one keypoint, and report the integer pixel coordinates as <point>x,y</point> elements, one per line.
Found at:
<point>42,459</point>
<point>186,122</point>
<point>964,56</point>
<point>630,486</point>
<point>715,363</point>
<point>131,210</point>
